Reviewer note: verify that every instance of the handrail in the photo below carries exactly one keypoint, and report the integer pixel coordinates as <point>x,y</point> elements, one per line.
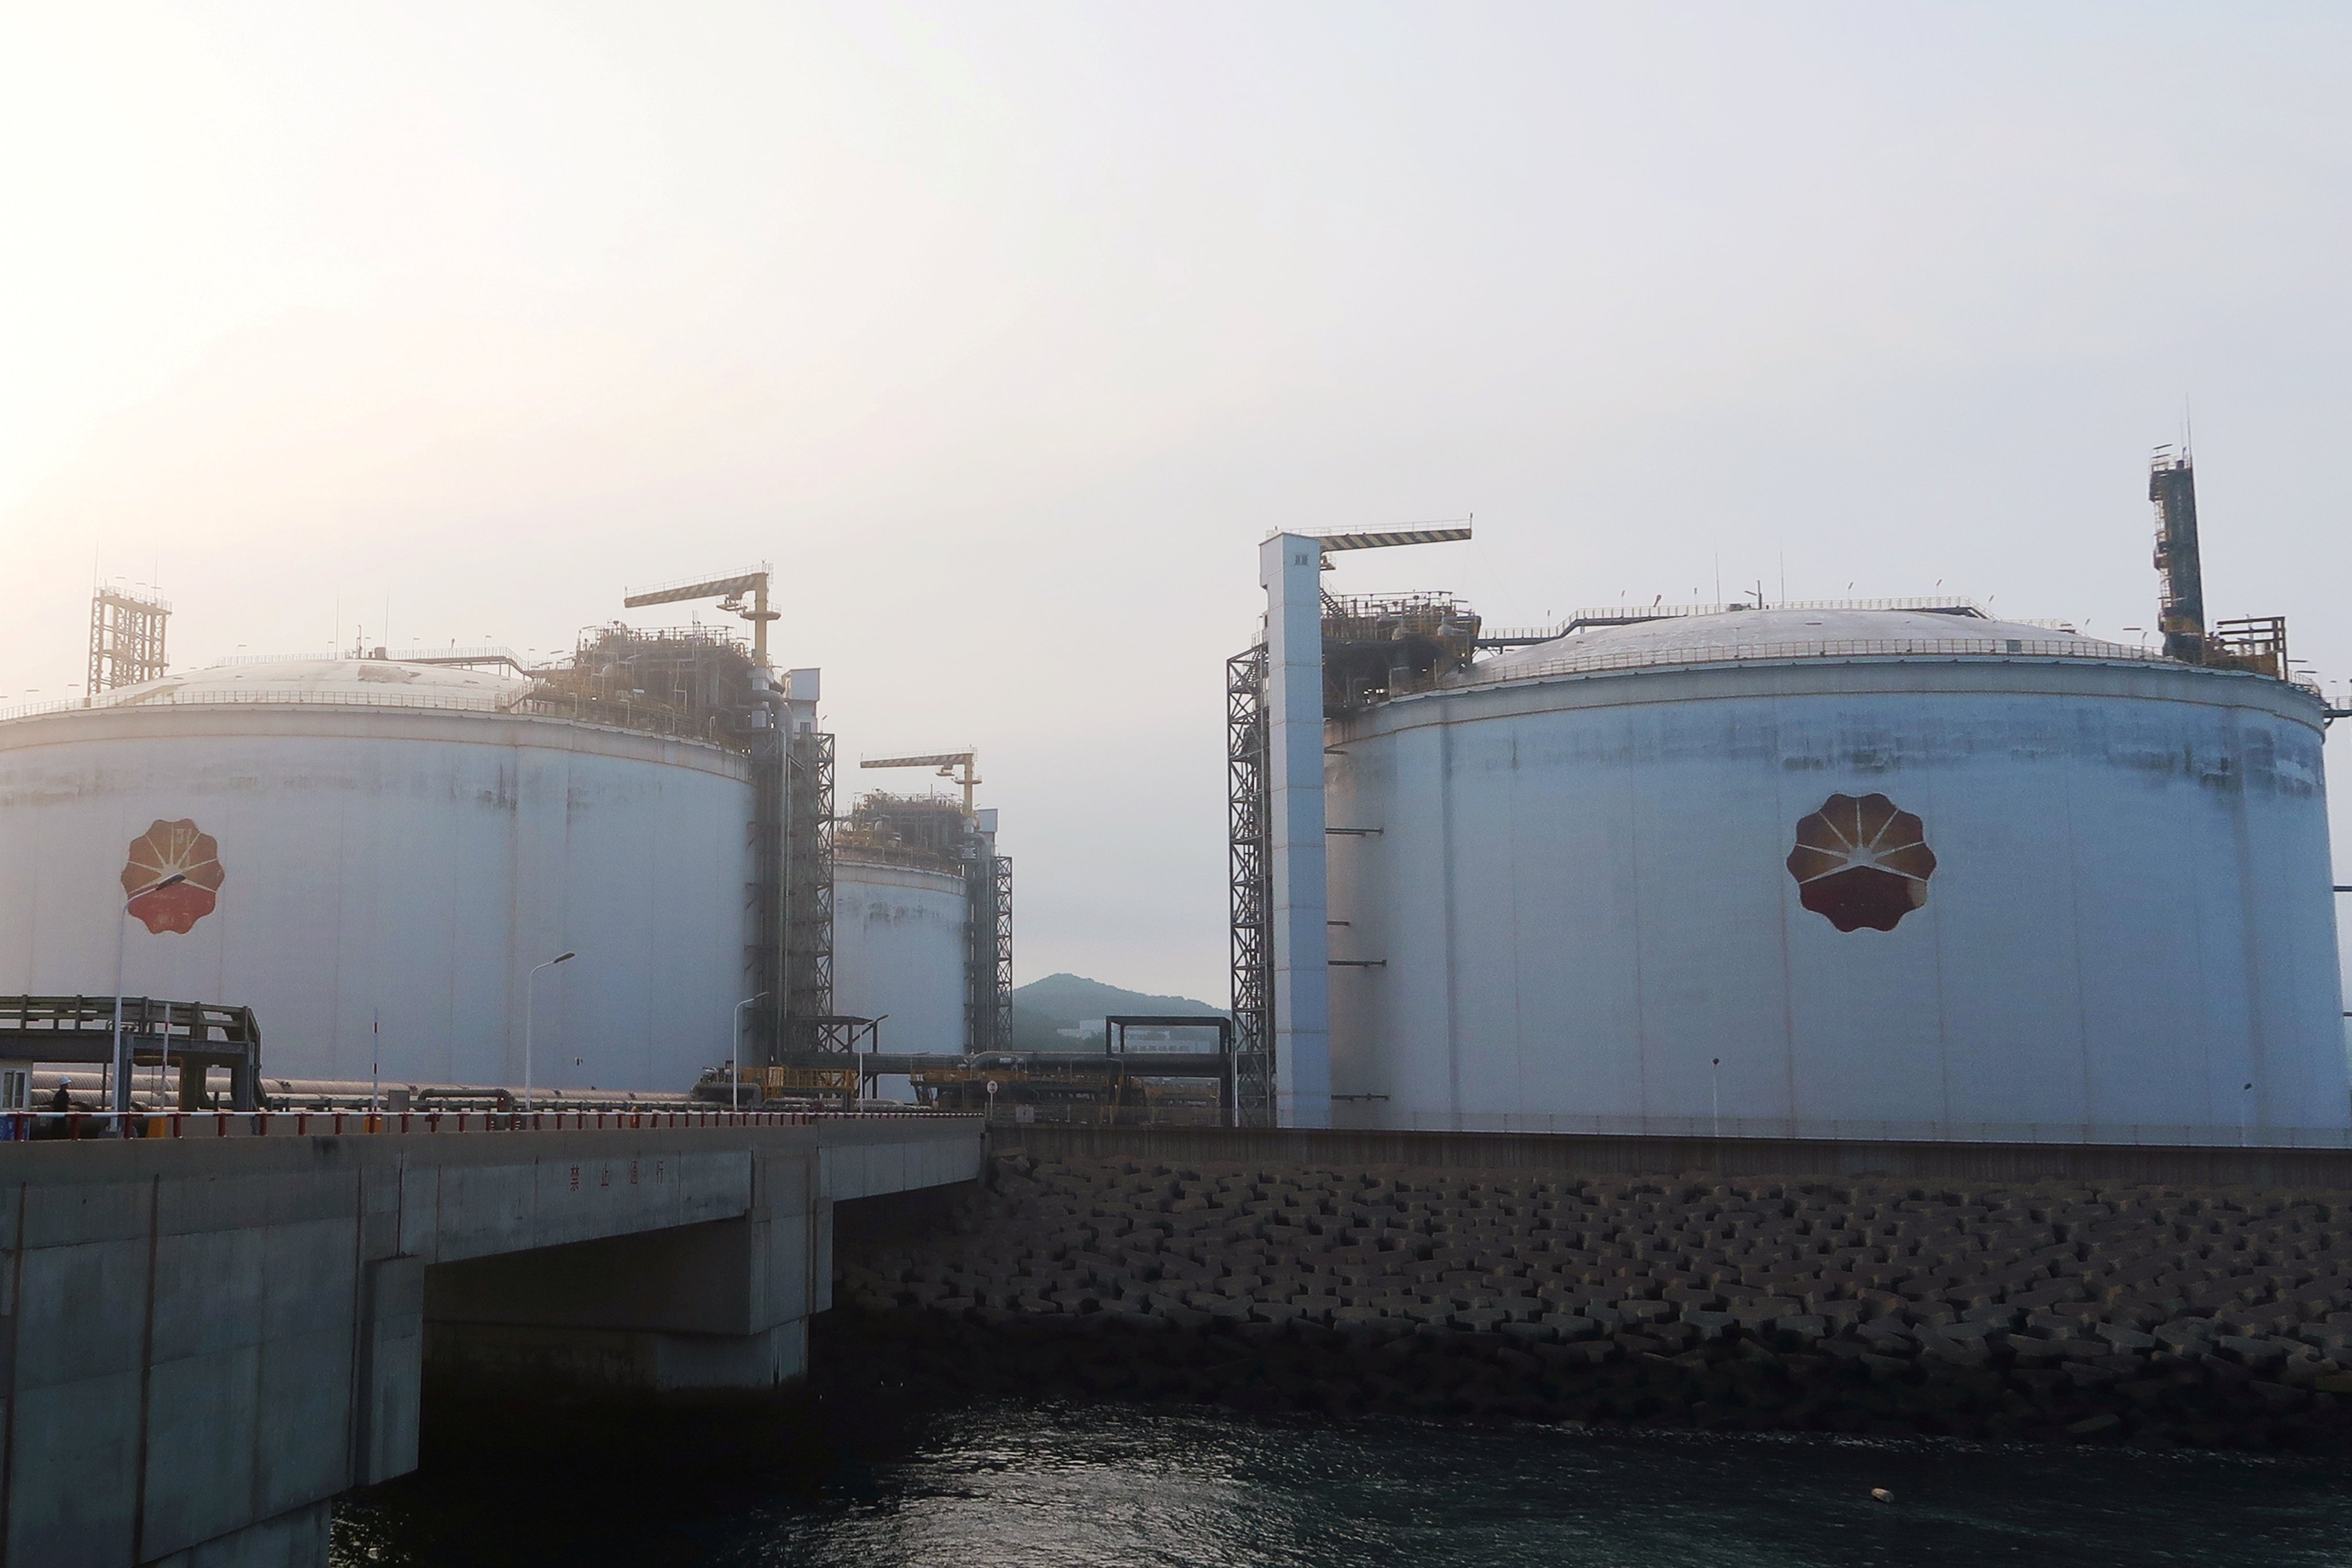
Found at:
<point>276,697</point>
<point>478,653</point>
<point>2073,650</point>
<point>92,1126</point>
<point>645,719</point>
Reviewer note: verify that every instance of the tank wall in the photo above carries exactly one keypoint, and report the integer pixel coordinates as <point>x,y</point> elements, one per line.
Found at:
<point>898,949</point>
<point>1582,908</point>
<point>399,869</point>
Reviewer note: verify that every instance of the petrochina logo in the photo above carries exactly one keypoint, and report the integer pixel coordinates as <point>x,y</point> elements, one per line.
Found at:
<point>168,850</point>
<point>1862,862</point>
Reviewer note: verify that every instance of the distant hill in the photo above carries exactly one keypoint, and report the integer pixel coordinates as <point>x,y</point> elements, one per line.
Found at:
<point>1043,1007</point>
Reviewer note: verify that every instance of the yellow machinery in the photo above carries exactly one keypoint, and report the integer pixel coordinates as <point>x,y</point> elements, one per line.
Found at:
<point>729,592</point>
<point>946,762</point>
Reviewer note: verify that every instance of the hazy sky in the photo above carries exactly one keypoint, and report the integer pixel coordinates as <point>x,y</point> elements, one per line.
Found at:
<point>1006,331</point>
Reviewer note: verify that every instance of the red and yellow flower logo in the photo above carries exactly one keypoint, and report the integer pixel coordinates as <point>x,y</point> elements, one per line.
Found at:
<point>166,850</point>
<point>1862,862</point>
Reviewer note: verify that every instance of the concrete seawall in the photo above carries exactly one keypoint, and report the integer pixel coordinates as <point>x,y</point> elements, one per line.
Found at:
<point>2039,1309</point>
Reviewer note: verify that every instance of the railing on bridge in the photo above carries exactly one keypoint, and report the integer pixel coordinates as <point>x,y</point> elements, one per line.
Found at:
<point>28,1126</point>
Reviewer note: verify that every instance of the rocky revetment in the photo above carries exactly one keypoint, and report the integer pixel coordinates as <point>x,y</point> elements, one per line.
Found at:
<point>2048,1310</point>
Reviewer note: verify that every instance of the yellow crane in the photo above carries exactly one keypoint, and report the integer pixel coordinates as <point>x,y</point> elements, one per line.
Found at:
<point>946,762</point>
<point>729,592</point>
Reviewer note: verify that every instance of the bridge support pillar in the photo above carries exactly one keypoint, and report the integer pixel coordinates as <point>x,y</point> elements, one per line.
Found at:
<point>708,1308</point>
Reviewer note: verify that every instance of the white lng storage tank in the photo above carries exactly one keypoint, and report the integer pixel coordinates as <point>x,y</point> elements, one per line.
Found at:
<point>1847,871</point>
<point>1840,872</point>
<point>898,951</point>
<point>908,872</point>
<point>378,856</point>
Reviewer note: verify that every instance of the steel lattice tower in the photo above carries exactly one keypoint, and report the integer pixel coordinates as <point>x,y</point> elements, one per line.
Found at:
<point>126,640</point>
<point>1250,887</point>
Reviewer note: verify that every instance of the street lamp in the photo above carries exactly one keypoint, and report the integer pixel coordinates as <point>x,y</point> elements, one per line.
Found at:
<point>530,996</point>
<point>735,1054</point>
<point>120,1098</point>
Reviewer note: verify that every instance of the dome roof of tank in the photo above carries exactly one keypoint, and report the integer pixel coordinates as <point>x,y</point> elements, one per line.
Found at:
<point>1794,632</point>
<point>364,682</point>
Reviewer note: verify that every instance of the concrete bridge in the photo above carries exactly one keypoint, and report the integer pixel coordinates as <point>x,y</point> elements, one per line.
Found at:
<point>204,1338</point>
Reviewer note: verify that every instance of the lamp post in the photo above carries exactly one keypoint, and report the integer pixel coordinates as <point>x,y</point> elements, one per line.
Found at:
<point>120,1098</point>
<point>735,1053</point>
<point>530,997</point>
<point>873,1035</point>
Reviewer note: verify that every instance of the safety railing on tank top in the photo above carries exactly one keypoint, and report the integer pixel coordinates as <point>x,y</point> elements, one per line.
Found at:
<point>644,719</point>
<point>98,1126</point>
<point>264,696</point>
<point>2081,648</point>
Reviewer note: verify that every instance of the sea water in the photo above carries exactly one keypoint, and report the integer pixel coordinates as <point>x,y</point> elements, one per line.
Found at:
<point>1034,1485</point>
